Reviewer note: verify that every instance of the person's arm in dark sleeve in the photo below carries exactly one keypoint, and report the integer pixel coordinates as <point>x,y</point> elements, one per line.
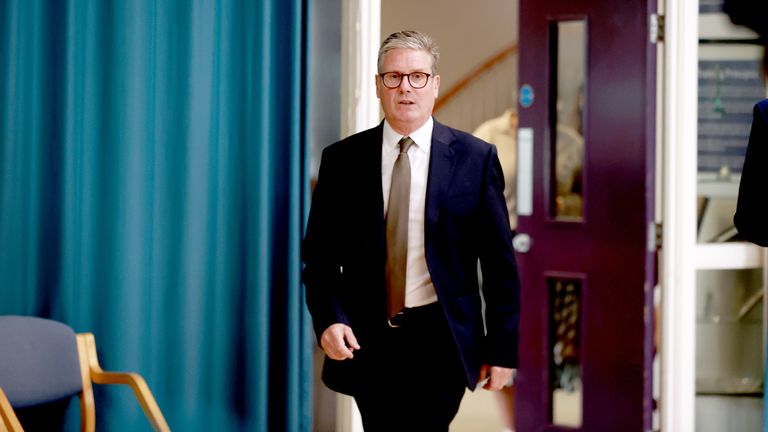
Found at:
<point>751,219</point>
<point>322,271</point>
<point>501,285</point>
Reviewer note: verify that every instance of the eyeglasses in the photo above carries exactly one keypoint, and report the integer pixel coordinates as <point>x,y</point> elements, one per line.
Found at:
<point>392,80</point>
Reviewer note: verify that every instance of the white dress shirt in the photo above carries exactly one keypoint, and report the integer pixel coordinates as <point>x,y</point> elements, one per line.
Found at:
<point>419,289</point>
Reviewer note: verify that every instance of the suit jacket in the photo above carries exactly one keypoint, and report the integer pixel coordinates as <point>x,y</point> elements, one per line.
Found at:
<point>750,218</point>
<point>465,220</point>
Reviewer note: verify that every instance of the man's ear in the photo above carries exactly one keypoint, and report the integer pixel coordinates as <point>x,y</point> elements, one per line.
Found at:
<point>377,79</point>
<point>436,84</point>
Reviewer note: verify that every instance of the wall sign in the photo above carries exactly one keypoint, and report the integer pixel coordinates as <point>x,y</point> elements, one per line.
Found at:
<point>526,96</point>
<point>728,90</point>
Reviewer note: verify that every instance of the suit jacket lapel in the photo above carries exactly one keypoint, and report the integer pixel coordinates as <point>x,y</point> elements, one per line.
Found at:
<point>442,162</point>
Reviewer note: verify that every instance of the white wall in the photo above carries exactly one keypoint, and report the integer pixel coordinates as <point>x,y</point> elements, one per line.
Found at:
<point>324,124</point>
<point>324,78</point>
<point>466,32</point>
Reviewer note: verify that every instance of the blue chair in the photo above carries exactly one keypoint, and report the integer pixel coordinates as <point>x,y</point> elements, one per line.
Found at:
<point>44,363</point>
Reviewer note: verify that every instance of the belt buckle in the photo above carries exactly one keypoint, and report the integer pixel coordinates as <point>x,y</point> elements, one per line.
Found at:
<point>389,320</point>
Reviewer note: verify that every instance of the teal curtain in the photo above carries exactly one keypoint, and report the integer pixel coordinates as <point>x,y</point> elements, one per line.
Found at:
<point>153,192</point>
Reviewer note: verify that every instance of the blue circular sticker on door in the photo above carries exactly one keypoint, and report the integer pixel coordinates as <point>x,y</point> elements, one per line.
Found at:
<point>526,96</point>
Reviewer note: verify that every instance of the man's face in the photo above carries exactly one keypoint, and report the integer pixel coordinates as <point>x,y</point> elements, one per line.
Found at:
<point>407,108</point>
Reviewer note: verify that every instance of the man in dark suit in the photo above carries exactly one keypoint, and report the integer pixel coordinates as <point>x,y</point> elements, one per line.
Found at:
<point>401,215</point>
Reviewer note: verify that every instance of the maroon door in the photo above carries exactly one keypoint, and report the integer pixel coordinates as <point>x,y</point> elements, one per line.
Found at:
<point>587,100</point>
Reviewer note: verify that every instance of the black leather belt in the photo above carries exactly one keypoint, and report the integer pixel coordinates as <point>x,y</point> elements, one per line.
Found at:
<point>414,316</point>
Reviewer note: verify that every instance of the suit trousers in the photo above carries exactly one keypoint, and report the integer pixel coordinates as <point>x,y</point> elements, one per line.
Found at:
<point>414,377</point>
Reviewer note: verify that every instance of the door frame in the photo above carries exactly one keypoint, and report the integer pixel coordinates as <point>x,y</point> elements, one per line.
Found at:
<point>677,274</point>
<point>360,39</point>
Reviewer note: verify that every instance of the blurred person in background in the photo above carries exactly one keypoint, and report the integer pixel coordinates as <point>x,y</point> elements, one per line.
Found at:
<point>501,131</point>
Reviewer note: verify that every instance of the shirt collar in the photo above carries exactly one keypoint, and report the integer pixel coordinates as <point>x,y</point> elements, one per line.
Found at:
<point>421,136</point>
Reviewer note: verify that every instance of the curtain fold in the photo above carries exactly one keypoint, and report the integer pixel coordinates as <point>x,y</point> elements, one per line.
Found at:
<point>153,191</point>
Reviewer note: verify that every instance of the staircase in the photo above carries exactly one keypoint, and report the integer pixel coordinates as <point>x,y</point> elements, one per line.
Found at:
<point>484,93</point>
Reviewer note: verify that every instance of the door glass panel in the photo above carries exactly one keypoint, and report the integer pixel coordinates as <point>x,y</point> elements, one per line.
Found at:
<point>566,118</point>
<point>729,302</point>
<point>565,350</point>
<point>730,83</point>
<point>729,333</point>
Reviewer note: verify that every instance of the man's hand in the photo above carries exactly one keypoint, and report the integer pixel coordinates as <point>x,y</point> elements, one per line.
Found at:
<point>339,342</point>
<point>499,376</point>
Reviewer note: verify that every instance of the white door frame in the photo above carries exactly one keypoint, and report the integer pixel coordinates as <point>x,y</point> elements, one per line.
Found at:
<point>360,36</point>
<point>677,274</point>
<point>681,255</point>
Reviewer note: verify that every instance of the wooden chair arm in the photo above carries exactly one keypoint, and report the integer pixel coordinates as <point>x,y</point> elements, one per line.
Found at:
<point>134,380</point>
<point>9,420</point>
<point>140,389</point>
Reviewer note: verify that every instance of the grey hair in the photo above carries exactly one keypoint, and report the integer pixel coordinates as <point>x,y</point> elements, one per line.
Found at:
<point>409,39</point>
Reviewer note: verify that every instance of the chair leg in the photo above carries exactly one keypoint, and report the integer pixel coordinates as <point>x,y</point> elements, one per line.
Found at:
<point>135,381</point>
<point>87,404</point>
<point>9,423</point>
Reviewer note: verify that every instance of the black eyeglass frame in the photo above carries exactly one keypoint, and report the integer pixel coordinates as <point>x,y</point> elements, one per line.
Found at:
<point>400,81</point>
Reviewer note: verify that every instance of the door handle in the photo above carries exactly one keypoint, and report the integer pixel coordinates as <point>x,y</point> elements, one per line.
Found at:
<point>522,243</point>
